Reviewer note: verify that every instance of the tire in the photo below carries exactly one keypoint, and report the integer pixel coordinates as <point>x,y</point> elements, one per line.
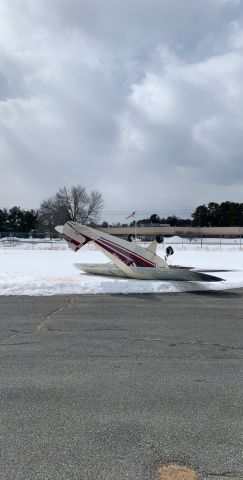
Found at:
<point>130,237</point>
<point>159,239</point>
<point>169,251</point>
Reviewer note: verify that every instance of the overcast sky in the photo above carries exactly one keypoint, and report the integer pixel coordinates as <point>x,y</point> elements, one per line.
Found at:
<point>139,99</point>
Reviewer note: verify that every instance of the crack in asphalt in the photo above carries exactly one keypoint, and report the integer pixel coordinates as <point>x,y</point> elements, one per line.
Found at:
<point>197,343</point>
<point>16,333</point>
<point>4,340</point>
<point>43,326</point>
<point>40,328</point>
<point>225,475</point>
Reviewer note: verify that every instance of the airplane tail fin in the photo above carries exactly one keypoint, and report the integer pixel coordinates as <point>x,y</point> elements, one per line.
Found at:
<point>74,239</point>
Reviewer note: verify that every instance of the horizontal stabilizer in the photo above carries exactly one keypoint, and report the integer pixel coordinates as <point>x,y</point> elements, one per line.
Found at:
<point>73,237</point>
<point>59,229</point>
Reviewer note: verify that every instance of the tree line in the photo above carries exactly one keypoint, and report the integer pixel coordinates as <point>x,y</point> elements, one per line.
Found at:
<point>76,204</point>
<point>225,214</point>
<point>73,203</point>
<point>171,220</point>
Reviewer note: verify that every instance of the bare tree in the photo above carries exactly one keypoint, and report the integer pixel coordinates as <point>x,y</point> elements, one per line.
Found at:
<point>94,207</point>
<point>51,213</point>
<point>75,200</point>
<point>71,204</point>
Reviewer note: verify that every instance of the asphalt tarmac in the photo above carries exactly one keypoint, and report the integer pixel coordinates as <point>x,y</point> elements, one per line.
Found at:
<point>111,387</point>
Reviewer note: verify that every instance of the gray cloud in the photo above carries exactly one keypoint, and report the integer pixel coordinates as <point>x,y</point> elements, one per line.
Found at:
<point>142,101</point>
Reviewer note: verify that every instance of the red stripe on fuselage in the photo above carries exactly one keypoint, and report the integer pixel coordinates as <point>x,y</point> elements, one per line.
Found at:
<point>114,252</point>
<point>71,240</point>
<point>126,256</point>
<point>134,254</point>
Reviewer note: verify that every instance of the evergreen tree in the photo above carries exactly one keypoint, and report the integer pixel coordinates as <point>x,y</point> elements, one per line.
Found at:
<point>3,219</point>
<point>155,218</point>
<point>200,216</point>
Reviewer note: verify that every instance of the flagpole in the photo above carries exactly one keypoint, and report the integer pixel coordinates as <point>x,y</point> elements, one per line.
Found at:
<point>134,215</point>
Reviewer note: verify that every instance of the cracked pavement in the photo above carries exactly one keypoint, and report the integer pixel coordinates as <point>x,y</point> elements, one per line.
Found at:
<point>113,386</point>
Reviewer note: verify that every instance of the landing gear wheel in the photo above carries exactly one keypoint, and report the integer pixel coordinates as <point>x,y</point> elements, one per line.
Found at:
<point>130,238</point>
<point>169,251</point>
<point>159,239</point>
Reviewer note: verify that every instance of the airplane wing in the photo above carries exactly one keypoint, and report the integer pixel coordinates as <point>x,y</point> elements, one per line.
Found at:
<point>100,269</point>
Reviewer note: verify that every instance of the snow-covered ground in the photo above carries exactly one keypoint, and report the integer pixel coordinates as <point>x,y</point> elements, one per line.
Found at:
<point>47,269</point>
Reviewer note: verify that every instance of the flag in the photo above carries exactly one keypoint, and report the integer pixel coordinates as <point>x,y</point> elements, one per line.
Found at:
<point>131,215</point>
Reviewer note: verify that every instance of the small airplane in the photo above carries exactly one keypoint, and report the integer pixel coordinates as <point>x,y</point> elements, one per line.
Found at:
<point>128,259</point>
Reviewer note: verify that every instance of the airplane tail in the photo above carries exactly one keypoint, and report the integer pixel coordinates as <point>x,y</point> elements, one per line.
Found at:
<point>74,239</point>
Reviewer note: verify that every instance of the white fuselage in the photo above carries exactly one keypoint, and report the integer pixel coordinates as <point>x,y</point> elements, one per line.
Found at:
<point>129,259</point>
